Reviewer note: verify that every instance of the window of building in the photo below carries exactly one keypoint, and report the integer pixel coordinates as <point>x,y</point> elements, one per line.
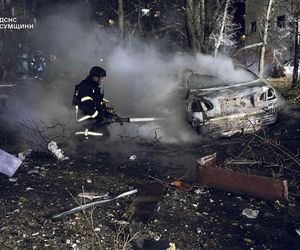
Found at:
<point>281,22</point>
<point>253,26</point>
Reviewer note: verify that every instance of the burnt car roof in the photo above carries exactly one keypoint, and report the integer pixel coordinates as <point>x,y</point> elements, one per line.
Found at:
<point>248,87</point>
<point>196,81</point>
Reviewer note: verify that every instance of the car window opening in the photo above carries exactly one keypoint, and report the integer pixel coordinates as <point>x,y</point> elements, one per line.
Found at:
<point>263,96</point>
<point>198,106</point>
<point>267,95</point>
<point>271,94</point>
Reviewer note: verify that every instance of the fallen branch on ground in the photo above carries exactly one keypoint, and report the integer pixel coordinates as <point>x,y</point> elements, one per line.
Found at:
<point>37,133</point>
<point>284,157</point>
<point>282,149</point>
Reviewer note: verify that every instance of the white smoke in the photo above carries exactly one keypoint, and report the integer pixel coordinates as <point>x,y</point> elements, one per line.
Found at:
<point>142,81</point>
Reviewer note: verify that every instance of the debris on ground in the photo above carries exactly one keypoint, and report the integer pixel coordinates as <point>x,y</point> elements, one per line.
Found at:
<point>132,157</point>
<point>57,152</point>
<point>9,164</point>
<point>145,203</point>
<point>92,196</point>
<point>250,213</point>
<point>172,246</point>
<point>205,217</point>
<point>201,190</point>
<point>23,155</point>
<point>208,174</point>
<point>181,185</point>
<point>33,171</point>
<point>13,179</point>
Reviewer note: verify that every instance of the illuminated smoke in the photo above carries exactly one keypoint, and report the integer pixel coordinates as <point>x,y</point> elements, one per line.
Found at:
<point>142,80</point>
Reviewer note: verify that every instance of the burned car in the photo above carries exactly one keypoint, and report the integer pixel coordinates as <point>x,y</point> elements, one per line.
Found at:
<point>219,107</point>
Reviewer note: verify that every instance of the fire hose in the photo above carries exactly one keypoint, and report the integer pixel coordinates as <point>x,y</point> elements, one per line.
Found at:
<point>122,120</point>
<point>114,118</point>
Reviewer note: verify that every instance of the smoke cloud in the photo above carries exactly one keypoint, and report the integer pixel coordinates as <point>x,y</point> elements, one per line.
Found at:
<point>142,79</point>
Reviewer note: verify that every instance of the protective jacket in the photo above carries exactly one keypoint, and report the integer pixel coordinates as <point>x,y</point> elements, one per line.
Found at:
<point>88,98</point>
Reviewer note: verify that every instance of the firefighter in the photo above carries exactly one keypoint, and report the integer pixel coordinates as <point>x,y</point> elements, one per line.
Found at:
<point>38,65</point>
<point>88,96</point>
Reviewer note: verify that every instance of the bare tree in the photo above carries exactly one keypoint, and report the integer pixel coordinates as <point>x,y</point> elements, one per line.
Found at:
<point>222,28</point>
<point>291,32</point>
<point>209,25</point>
<point>202,31</point>
<point>275,40</point>
<point>264,39</point>
<point>201,19</point>
<point>191,24</point>
<point>121,17</point>
<point>225,29</point>
<point>3,40</point>
<point>295,81</point>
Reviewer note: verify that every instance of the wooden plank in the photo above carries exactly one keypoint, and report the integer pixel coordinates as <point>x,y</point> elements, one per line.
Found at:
<point>146,202</point>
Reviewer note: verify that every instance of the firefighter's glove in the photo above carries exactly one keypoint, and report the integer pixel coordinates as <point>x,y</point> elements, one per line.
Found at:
<point>111,111</point>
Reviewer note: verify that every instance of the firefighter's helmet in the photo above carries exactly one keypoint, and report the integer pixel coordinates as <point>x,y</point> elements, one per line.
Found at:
<point>97,71</point>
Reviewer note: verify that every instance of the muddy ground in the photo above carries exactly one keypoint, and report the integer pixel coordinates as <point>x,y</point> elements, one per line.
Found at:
<point>192,218</point>
<point>200,218</point>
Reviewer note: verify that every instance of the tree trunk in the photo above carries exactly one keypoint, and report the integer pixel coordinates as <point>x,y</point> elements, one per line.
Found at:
<point>121,17</point>
<point>296,56</point>
<point>264,41</point>
<point>190,26</point>
<point>203,38</point>
<point>3,33</point>
<point>139,19</point>
<point>220,38</point>
<point>2,55</point>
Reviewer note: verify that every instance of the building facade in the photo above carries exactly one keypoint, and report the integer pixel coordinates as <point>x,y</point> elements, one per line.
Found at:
<point>281,27</point>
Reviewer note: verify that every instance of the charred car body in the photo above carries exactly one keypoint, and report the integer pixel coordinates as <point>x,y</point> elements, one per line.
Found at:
<point>221,108</point>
